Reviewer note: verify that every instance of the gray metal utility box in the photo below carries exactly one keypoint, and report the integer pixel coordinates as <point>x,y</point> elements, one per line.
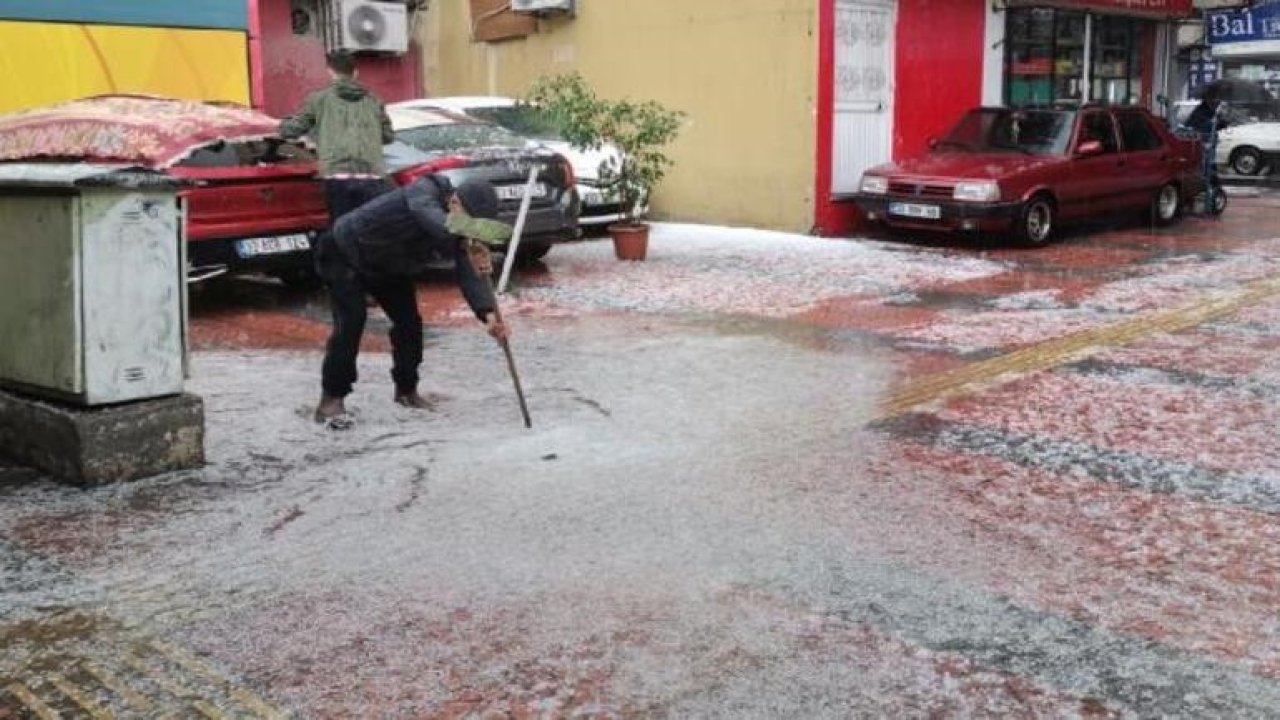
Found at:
<point>92,291</point>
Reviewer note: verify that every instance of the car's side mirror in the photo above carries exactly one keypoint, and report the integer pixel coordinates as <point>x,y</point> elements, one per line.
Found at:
<point>1089,148</point>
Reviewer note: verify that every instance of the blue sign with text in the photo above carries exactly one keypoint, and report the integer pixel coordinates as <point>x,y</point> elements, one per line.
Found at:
<point>1261,22</point>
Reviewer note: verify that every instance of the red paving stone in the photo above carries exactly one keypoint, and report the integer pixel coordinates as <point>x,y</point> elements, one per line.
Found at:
<point>267,331</point>
<point>1072,255</point>
<point>1068,289</point>
<point>1208,428</point>
<point>870,314</point>
<point>1212,354</point>
<point>1201,577</point>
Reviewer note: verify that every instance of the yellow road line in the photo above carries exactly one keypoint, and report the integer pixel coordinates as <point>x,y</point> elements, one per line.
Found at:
<point>32,703</point>
<point>136,700</point>
<point>172,687</point>
<point>1052,353</point>
<point>192,664</point>
<point>209,711</point>
<point>88,704</point>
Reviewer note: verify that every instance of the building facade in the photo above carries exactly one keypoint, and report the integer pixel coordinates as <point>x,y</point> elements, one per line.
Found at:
<point>56,51</point>
<point>790,100</point>
<point>268,53</point>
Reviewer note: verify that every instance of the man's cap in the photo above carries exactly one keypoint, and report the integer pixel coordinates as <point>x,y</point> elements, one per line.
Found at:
<point>479,199</point>
<point>489,232</point>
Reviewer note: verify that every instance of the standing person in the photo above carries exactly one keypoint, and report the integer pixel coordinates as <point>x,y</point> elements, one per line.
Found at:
<point>349,126</point>
<point>377,250</point>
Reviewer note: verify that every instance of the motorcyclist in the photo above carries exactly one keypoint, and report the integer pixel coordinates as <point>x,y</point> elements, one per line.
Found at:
<point>1206,118</point>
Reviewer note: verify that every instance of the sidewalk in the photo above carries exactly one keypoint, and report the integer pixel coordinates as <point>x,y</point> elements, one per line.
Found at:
<point>769,476</point>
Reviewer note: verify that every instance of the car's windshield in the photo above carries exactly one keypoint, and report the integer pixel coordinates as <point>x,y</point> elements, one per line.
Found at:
<point>1031,132</point>
<point>446,137</point>
<point>525,120</point>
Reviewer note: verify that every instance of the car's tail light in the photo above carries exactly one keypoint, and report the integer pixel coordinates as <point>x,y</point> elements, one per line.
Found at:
<point>566,167</point>
<point>408,175</point>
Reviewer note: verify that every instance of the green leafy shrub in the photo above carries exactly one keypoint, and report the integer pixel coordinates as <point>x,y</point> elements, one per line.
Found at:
<point>639,130</point>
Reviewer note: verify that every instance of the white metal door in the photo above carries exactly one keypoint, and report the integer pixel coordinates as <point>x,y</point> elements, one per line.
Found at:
<point>863,127</point>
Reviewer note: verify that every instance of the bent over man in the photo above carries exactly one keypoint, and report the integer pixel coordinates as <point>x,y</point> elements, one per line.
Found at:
<point>377,249</point>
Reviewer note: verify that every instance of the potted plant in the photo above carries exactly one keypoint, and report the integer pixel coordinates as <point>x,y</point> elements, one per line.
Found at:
<point>639,131</point>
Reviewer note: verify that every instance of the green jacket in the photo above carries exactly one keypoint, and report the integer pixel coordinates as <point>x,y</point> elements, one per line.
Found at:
<point>348,125</point>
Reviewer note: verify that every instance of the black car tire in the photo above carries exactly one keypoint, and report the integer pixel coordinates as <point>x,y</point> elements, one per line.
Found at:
<point>302,279</point>
<point>1036,222</point>
<point>1247,160</point>
<point>1166,205</point>
<point>532,252</point>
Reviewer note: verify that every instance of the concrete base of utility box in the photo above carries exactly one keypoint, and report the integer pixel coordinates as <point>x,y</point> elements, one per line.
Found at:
<point>101,445</point>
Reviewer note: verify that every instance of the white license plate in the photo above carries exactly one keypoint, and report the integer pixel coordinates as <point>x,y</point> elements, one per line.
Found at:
<point>516,192</point>
<point>594,198</point>
<point>272,245</point>
<point>915,210</point>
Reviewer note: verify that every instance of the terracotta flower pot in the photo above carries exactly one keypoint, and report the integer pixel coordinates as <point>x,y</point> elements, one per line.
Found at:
<point>630,241</point>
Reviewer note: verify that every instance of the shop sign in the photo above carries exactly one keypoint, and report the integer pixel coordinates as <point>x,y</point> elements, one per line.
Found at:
<point>1143,8</point>
<point>1261,22</point>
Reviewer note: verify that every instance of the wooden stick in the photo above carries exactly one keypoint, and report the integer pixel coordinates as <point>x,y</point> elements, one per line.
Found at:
<point>502,342</point>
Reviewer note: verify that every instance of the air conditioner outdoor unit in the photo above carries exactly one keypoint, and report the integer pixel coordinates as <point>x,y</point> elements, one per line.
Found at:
<point>369,26</point>
<point>543,6</point>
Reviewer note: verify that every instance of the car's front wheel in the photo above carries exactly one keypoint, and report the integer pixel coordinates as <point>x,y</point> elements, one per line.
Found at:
<point>531,252</point>
<point>1166,206</point>
<point>301,279</point>
<point>1246,160</point>
<point>1037,222</point>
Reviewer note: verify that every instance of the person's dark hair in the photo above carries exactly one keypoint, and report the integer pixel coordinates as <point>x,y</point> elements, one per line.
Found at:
<point>1210,94</point>
<point>479,198</point>
<point>341,62</point>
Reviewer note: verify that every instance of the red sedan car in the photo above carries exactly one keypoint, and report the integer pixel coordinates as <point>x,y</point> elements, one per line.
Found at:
<point>1021,171</point>
<point>252,202</point>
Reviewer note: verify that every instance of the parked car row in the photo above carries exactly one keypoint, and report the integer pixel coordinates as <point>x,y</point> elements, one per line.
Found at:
<point>601,204</point>
<point>254,202</point>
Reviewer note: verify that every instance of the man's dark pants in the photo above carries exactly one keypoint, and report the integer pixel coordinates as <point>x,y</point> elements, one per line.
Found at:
<point>397,296</point>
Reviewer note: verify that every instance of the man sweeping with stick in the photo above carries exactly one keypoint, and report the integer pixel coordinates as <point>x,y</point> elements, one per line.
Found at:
<point>377,249</point>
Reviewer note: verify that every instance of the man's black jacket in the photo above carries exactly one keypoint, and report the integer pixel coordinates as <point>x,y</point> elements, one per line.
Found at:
<point>400,232</point>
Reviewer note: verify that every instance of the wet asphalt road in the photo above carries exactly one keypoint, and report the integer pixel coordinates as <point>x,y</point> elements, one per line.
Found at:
<point>768,477</point>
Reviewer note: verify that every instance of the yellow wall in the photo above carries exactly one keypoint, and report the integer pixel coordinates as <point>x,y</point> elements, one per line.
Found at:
<point>45,63</point>
<point>745,71</point>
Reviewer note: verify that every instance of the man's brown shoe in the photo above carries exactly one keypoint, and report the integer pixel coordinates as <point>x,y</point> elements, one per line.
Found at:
<point>416,401</point>
<point>332,412</point>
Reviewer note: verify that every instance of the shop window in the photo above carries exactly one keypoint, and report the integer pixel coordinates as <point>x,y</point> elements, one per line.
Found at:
<point>1116,60</point>
<point>1045,59</point>
<point>1045,56</point>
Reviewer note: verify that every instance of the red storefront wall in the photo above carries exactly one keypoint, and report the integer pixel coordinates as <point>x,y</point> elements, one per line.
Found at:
<point>287,67</point>
<point>938,70</point>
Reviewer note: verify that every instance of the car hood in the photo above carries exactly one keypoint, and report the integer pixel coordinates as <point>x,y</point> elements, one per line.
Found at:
<point>964,166</point>
<point>1254,132</point>
<point>149,131</point>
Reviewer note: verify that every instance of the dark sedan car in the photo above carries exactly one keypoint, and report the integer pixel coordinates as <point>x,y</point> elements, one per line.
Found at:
<point>462,148</point>
<point>1019,171</point>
